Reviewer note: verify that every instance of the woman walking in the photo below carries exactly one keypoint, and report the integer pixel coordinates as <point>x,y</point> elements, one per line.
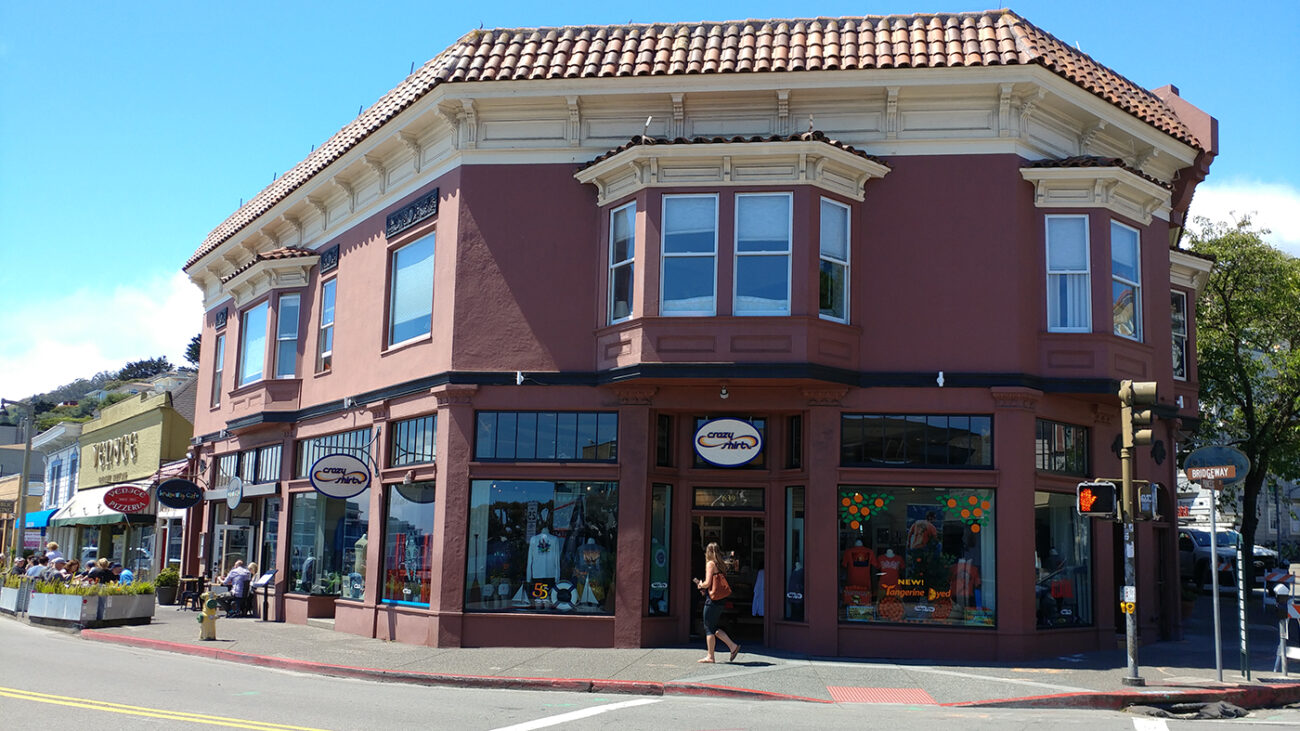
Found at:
<point>713,574</point>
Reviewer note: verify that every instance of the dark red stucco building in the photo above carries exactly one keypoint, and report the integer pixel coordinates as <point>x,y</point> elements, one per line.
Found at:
<point>851,297</point>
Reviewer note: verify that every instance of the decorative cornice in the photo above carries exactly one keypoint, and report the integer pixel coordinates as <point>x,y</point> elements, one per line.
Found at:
<point>1189,270</point>
<point>825,396</point>
<point>1023,399</point>
<point>268,271</point>
<point>1102,416</point>
<point>454,394</point>
<point>1123,191</point>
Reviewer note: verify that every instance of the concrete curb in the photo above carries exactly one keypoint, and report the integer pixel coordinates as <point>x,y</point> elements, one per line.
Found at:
<point>1246,696</point>
<point>491,682</point>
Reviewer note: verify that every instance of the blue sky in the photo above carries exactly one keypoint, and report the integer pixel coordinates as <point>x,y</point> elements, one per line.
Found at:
<point>130,130</point>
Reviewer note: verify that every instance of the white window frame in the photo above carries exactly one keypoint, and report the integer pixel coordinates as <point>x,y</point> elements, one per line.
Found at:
<point>1136,285</point>
<point>737,254</point>
<point>664,256</point>
<point>392,291</point>
<point>1180,339</point>
<point>245,378</point>
<point>848,254</point>
<point>284,337</point>
<point>218,369</point>
<point>325,332</point>
<point>630,262</point>
<point>1086,272</point>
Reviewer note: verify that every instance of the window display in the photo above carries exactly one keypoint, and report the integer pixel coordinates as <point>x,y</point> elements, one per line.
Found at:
<point>543,547</point>
<point>794,535</point>
<point>408,544</point>
<point>327,544</point>
<point>660,519</point>
<point>1062,547</point>
<point>916,555</point>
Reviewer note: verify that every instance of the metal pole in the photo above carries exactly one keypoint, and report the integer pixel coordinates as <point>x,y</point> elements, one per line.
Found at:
<point>1214,575</point>
<point>1241,607</point>
<point>1130,562</point>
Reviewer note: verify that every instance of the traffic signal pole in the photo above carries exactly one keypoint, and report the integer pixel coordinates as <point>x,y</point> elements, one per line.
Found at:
<point>1135,400</point>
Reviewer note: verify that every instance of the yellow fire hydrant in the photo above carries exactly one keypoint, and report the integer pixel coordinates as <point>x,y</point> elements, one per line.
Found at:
<point>208,617</point>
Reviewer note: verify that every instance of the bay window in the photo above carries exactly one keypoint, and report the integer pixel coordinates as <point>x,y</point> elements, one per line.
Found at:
<point>622,251</point>
<point>1068,299</point>
<point>286,336</point>
<point>690,252</point>
<point>833,278</point>
<point>1178,326</point>
<point>762,254</point>
<point>252,344</point>
<point>410,309</point>
<point>1126,281</point>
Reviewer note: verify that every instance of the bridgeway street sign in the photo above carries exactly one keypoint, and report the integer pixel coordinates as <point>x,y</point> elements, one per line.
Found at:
<point>1216,472</point>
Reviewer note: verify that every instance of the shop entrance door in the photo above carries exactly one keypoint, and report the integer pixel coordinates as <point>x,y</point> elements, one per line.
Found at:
<point>231,545</point>
<point>743,536</point>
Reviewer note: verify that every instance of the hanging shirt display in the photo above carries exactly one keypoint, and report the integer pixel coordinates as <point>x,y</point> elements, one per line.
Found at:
<point>858,561</point>
<point>890,568</point>
<point>543,556</point>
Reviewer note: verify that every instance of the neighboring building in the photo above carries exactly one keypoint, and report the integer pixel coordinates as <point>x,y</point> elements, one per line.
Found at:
<point>138,443</point>
<point>910,258</point>
<point>58,448</point>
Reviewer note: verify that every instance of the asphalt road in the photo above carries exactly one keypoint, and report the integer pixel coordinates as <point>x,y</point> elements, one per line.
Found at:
<point>51,680</point>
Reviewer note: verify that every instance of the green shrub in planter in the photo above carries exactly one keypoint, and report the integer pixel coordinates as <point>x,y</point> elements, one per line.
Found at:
<point>168,577</point>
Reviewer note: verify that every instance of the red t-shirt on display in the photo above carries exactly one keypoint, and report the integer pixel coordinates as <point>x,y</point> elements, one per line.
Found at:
<point>858,561</point>
<point>890,567</point>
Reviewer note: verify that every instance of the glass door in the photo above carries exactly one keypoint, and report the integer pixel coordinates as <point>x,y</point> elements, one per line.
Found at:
<point>232,543</point>
<point>743,541</point>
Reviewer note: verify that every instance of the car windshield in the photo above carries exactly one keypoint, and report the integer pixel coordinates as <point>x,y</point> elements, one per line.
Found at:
<point>1228,538</point>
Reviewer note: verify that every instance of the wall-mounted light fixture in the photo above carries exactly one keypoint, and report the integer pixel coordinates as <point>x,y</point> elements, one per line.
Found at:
<point>723,393</point>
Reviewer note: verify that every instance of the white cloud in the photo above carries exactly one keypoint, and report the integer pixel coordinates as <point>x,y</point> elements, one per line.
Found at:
<point>1273,206</point>
<point>56,341</point>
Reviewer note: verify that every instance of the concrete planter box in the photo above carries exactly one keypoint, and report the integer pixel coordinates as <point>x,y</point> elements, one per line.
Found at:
<point>133,606</point>
<point>64,607</point>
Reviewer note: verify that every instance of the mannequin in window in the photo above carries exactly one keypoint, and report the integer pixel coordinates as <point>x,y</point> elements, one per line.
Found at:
<point>543,556</point>
<point>891,565</point>
<point>857,562</point>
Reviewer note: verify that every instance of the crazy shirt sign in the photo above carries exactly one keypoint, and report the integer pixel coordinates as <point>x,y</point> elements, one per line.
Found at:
<point>339,475</point>
<point>728,442</point>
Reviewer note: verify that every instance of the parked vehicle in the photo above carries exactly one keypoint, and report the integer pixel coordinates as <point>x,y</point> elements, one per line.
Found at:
<point>1194,556</point>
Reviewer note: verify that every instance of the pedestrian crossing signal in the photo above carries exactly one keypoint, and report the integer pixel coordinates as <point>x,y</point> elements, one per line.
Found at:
<point>1096,499</point>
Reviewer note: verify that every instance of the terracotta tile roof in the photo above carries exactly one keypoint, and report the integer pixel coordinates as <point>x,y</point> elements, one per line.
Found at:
<point>1095,161</point>
<point>287,252</point>
<point>989,38</point>
<point>810,136</point>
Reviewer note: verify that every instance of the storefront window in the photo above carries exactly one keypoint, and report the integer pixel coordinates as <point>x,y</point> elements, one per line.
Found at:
<point>1062,547</point>
<point>542,547</point>
<point>916,440</point>
<point>917,556</point>
<point>408,544</point>
<point>794,535</point>
<point>660,520</point>
<point>1061,448</point>
<point>547,436</point>
<point>270,532</point>
<point>355,443</point>
<point>414,440</point>
<point>327,544</point>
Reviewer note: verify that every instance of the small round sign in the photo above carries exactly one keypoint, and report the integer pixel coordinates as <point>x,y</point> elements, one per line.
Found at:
<point>728,442</point>
<point>339,475</point>
<point>234,492</point>
<point>1217,455</point>
<point>126,499</point>
<point>180,494</point>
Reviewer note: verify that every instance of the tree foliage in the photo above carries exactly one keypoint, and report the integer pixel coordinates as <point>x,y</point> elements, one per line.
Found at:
<point>1248,352</point>
<point>193,349</point>
<point>141,369</point>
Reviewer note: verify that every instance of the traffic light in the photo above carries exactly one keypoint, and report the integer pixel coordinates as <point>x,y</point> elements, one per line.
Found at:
<point>1096,499</point>
<point>1136,399</point>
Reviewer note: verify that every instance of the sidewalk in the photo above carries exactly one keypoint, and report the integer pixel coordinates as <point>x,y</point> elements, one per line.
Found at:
<point>1180,671</point>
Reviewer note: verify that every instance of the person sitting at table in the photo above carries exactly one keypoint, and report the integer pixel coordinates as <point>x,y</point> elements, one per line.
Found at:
<point>101,573</point>
<point>238,580</point>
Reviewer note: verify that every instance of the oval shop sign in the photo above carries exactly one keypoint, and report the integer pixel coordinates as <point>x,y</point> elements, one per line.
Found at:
<point>1217,455</point>
<point>180,494</point>
<point>126,499</point>
<point>339,475</point>
<point>728,442</point>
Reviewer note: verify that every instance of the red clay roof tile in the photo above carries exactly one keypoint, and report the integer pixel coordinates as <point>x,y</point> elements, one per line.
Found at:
<point>990,38</point>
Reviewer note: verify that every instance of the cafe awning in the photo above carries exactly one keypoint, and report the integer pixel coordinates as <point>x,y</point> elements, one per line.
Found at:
<point>87,508</point>
<point>39,519</point>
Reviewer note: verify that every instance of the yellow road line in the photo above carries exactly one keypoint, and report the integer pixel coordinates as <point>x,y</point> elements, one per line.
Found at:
<point>109,707</point>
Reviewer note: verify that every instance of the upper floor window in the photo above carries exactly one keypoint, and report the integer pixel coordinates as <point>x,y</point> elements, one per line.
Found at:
<point>1068,300</point>
<point>1178,326</point>
<point>1126,280</point>
<point>414,441</point>
<point>833,279</point>
<point>762,254</point>
<point>325,341</point>
<point>1061,448</point>
<point>622,252</point>
<point>410,310</point>
<point>690,252</point>
<point>547,436</point>
<point>252,344</point>
<point>218,368</point>
<point>286,336</point>
<point>916,440</point>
